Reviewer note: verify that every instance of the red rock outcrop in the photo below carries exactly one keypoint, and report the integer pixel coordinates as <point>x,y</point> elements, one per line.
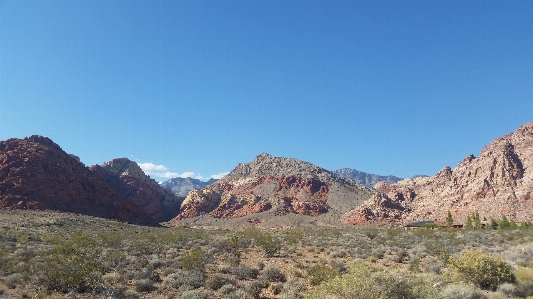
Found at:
<point>498,182</point>
<point>35,173</point>
<point>281,185</point>
<point>158,204</point>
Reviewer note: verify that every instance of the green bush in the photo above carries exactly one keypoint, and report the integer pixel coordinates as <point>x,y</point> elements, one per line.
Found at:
<point>320,273</point>
<point>364,281</point>
<point>194,259</point>
<point>484,270</point>
<point>71,266</point>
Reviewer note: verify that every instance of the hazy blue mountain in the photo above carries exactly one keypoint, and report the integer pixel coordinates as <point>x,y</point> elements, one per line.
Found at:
<point>182,186</point>
<point>364,178</point>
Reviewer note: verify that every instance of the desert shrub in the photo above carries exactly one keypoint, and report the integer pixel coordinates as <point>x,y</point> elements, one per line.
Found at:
<point>292,289</point>
<point>216,281</point>
<point>276,289</point>
<point>254,287</point>
<point>270,244</point>
<point>195,279</point>
<point>243,272</point>
<point>196,294</point>
<point>368,282</point>
<point>484,270</point>
<point>508,289</point>
<point>339,266</point>
<point>320,273</point>
<point>238,294</point>
<point>460,291</point>
<point>64,273</point>
<point>130,294</point>
<point>157,263</point>
<point>12,280</point>
<point>194,259</point>
<point>227,288</point>
<point>144,285</point>
<point>274,275</point>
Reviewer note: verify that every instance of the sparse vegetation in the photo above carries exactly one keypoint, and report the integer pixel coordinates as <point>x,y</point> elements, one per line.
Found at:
<point>83,257</point>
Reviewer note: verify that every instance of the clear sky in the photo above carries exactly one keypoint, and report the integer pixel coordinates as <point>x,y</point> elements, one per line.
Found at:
<point>196,87</point>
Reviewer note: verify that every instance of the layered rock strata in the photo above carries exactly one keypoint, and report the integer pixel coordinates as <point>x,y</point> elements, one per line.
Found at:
<point>498,182</point>
<point>279,185</point>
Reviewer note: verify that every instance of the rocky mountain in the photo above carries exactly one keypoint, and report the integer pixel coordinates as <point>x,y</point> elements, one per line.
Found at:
<point>274,186</point>
<point>35,173</point>
<point>158,203</point>
<point>182,186</point>
<point>364,178</point>
<point>498,182</point>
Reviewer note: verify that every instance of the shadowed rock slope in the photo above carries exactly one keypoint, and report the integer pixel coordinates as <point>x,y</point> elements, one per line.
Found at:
<point>157,203</point>
<point>273,186</point>
<point>36,174</point>
<point>498,182</point>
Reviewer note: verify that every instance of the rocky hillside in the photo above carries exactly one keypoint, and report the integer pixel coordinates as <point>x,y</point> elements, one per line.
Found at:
<point>364,178</point>
<point>36,174</point>
<point>182,186</point>
<point>157,203</point>
<point>497,182</point>
<point>273,186</point>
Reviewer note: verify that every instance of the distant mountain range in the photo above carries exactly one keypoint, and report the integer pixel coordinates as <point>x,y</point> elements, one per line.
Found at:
<point>182,186</point>
<point>364,178</point>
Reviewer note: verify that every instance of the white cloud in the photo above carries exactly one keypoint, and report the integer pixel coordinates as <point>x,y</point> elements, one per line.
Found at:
<point>151,167</point>
<point>218,176</point>
<point>160,171</point>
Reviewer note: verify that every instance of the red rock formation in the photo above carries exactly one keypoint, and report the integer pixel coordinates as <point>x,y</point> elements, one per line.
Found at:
<point>498,182</point>
<point>35,173</point>
<point>271,183</point>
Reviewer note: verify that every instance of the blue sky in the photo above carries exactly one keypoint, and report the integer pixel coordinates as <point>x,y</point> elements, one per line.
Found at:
<point>196,87</point>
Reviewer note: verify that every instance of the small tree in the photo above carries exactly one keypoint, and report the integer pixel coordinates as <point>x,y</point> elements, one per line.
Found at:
<point>504,223</point>
<point>468,224</point>
<point>476,220</point>
<point>512,224</point>
<point>449,219</point>
<point>493,224</point>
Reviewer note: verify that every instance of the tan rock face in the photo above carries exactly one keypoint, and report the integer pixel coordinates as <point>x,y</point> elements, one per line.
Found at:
<point>282,185</point>
<point>498,182</point>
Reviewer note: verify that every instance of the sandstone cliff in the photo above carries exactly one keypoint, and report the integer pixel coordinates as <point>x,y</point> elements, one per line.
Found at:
<point>278,185</point>
<point>498,182</point>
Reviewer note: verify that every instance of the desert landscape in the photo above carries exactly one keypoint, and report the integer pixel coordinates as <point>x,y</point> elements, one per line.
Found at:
<point>272,228</point>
